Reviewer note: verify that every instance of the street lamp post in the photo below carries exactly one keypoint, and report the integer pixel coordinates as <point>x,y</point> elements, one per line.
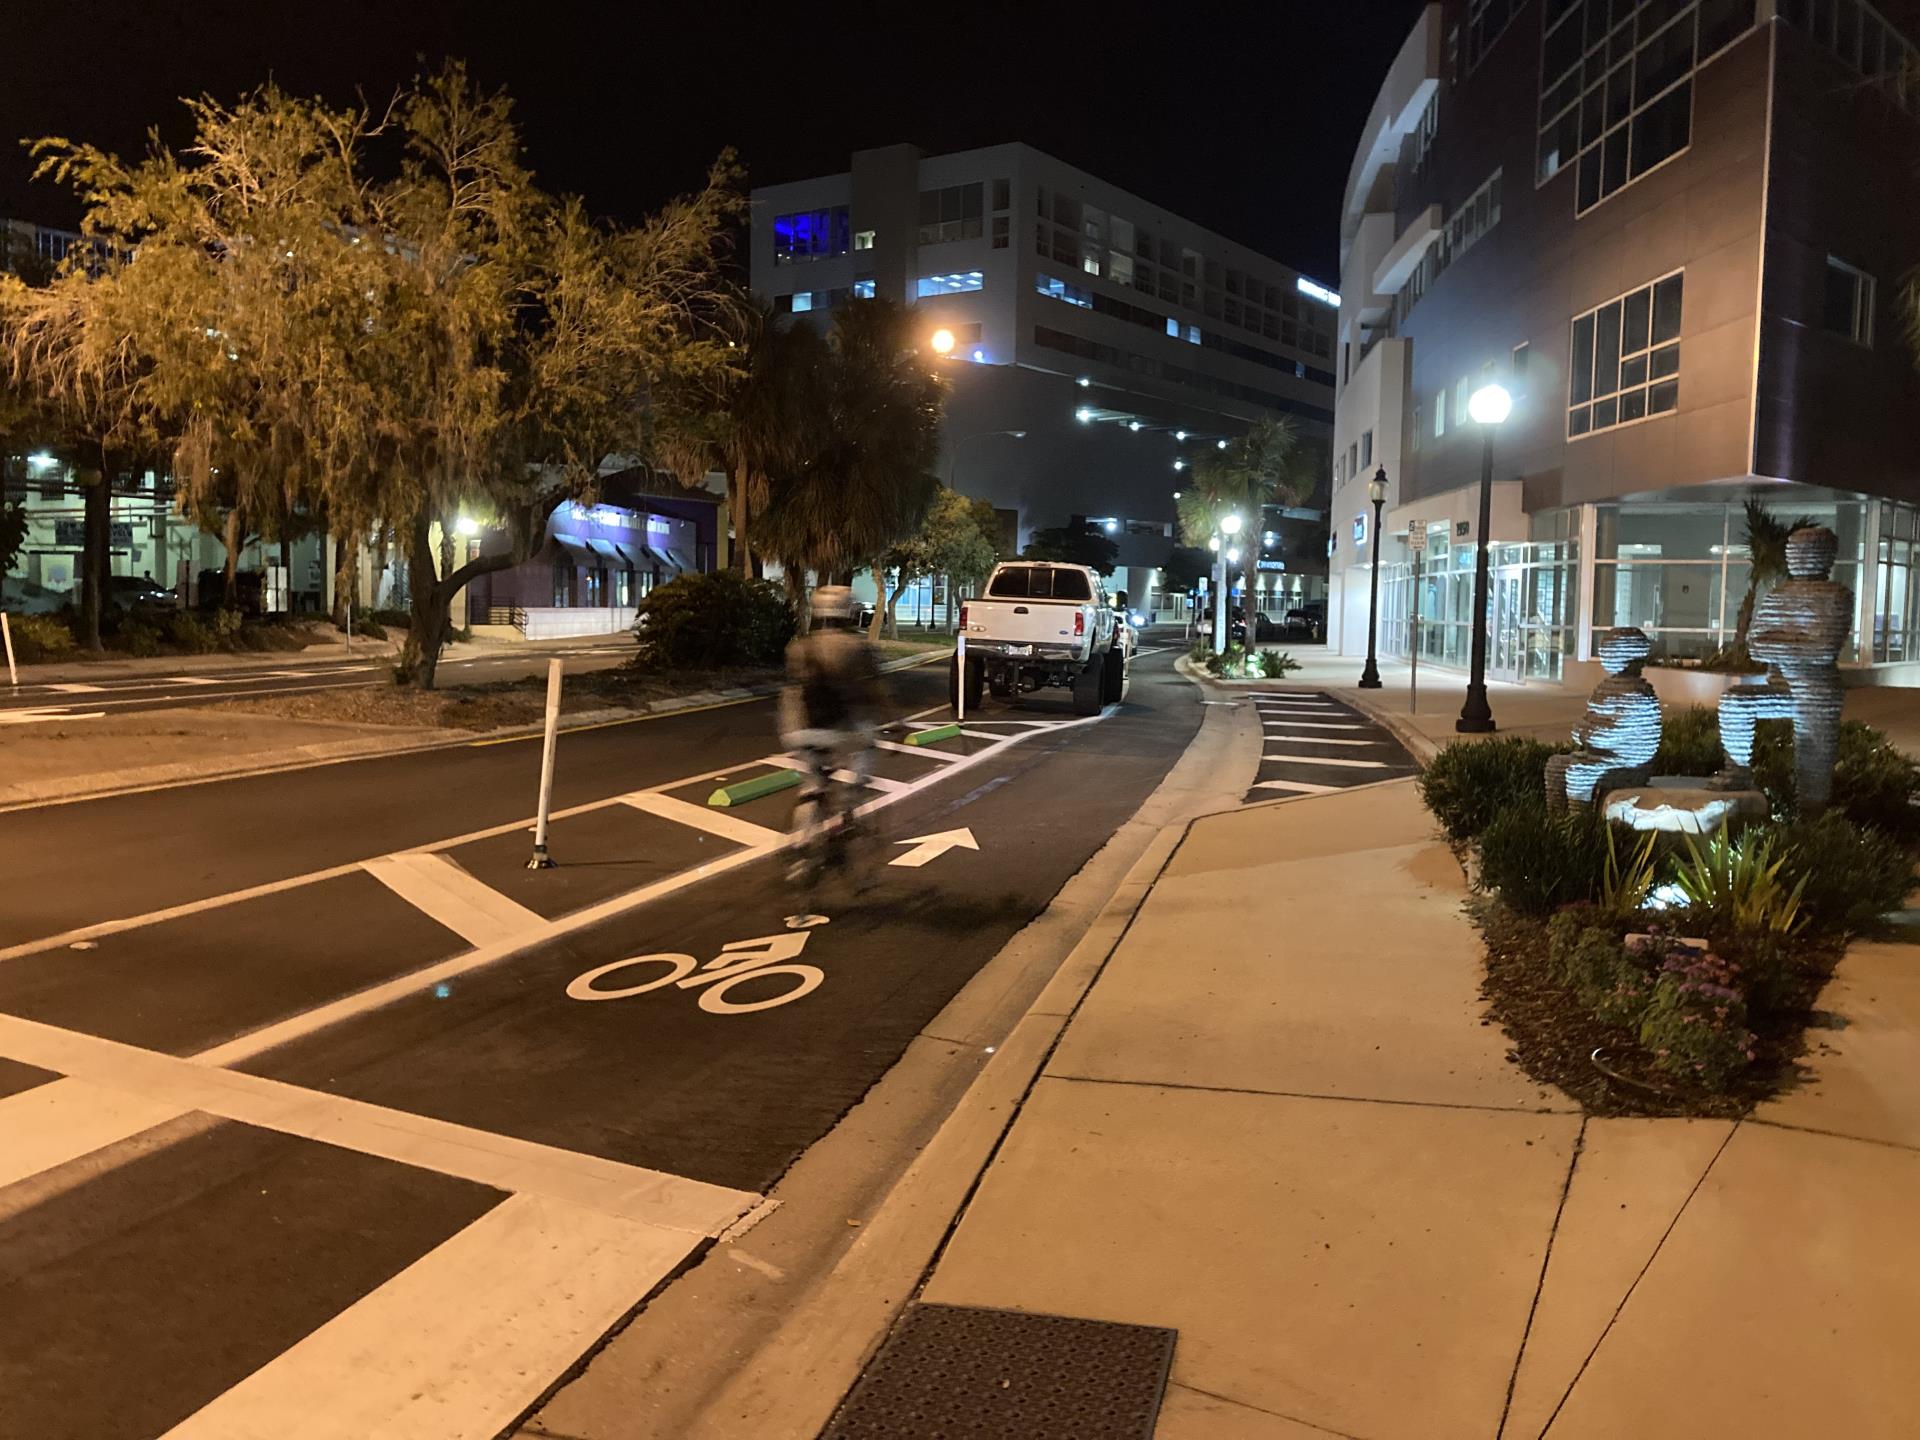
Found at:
<point>1490,405</point>
<point>1377,489</point>
<point>1229,526</point>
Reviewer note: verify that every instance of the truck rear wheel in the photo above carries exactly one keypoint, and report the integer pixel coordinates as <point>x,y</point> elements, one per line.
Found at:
<point>1090,687</point>
<point>971,680</point>
<point>1114,682</point>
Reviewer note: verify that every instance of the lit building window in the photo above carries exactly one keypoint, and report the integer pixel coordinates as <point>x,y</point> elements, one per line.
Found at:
<point>1061,290</point>
<point>802,301</point>
<point>1624,359</point>
<point>863,239</point>
<point>863,289</point>
<point>810,235</point>
<point>957,283</point>
<point>1849,302</point>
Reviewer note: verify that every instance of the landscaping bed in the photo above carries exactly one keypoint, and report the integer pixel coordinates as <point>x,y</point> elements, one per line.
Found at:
<point>1670,975</point>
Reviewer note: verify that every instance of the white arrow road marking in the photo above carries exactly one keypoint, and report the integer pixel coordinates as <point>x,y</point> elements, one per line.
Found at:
<point>930,847</point>
<point>41,717</point>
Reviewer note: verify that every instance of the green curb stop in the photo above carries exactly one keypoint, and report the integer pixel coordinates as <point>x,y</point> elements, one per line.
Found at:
<point>745,790</point>
<point>933,736</point>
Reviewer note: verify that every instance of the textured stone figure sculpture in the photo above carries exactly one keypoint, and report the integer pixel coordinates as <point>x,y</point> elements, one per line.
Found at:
<point>1618,735</point>
<point>1798,629</point>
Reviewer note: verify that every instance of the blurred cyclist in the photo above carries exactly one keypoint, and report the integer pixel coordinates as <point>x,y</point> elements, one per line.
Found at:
<point>833,701</point>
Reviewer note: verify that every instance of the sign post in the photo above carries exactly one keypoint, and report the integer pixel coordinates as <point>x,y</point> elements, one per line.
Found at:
<point>6,633</point>
<point>541,859</point>
<point>1417,543</point>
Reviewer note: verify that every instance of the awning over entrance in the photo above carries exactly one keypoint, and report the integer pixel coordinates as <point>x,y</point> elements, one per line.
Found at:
<point>577,551</point>
<point>610,551</point>
<point>663,558</point>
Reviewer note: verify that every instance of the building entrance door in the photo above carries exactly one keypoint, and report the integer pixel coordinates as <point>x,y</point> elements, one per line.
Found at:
<point>1507,623</point>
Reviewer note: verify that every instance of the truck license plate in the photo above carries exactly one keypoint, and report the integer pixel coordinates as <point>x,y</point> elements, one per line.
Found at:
<point>1019,649</point>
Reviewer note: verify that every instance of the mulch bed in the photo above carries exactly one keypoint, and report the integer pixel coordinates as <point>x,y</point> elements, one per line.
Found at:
<point>1554,1036</point>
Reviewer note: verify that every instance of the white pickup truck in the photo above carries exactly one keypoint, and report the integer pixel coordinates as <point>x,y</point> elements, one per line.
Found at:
<point>1038,624</point>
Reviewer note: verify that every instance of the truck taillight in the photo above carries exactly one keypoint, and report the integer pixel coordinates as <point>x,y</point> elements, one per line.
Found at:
<point>1079,622</point>
<point>963,617</point>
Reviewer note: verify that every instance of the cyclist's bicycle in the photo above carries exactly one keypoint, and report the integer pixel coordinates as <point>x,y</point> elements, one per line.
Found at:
<point>834,839</point>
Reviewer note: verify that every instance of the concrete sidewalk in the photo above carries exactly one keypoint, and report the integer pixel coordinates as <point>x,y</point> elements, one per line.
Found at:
<point>1300,1145</point>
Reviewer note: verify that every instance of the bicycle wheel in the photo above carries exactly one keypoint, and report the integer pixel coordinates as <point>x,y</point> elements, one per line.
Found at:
<point>679,967</point>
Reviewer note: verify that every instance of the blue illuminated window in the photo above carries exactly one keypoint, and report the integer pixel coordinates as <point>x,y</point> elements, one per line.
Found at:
<point>863,289</point>
<point>802,300</point>
<point>955,284</point>
<point>810,235</point>
<point>1060,290</point>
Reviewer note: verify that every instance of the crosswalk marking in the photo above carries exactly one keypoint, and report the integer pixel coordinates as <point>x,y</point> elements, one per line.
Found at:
<point>703,817</point>
<point>192,680</point>
<point>1311,725</point>
<point>1325,740</point>
<point>65,1119</point>
<point>1326,760</point>
<point>445,893</point>
<point>462,1341</point>
<point>1298,787</point>
<point>77,689</point>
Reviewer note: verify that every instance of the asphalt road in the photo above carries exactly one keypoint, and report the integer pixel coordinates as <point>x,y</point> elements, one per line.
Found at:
<point>319,1112</point>
<point>39,701</point>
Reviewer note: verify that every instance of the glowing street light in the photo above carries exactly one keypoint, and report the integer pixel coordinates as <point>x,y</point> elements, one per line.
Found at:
<point>1179,464</point>
<point>1229,524</point>
<point>942,341</point>
<point>1490,405</point>
<point>1083,415</point>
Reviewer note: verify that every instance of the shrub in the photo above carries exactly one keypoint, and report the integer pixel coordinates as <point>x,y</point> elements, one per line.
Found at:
<point>1689,743</point>
<point>139,639</point>
<point>711,621</point>
<point>400,619</point>
<point>39,637</point>
<point>371,629</point>
<point>1874,783</point>
<point>1470,782</point>
<point>1274,664</point>
<point>1201,652</point>
<point>1848,875</point>
<point>1695,1021</point>
<point>186,632</point>
<point>1585,952</point>
<point>1740,883</point>
<point>1538,862</point>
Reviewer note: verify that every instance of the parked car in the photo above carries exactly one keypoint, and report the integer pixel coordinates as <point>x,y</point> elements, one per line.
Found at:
<point>1039,624</point>
<point>1265,627</point>
<point>1305,623</point>
<point>129,591</point>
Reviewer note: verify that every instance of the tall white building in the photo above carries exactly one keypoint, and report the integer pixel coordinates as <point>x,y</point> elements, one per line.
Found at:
<point>1120,338</point>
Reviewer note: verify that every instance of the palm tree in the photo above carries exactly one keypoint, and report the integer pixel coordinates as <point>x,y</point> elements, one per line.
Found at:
<point>870,476</point>
<point>1766,560</point>
<point>1266,466</point>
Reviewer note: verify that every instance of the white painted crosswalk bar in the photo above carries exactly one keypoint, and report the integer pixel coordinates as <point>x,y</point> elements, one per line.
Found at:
<point>448,895</point>
<point>845,777</point>
<point>1312,725</point>
<point>192,680</point>
<point>1297,787</point>
<point>1326,760</point>
<point>463,1340</point>
<point>945,757</point>
<point>74,688</point>
<point>67,1118</point>
<point>703,817</point>
<point>1325,740</point>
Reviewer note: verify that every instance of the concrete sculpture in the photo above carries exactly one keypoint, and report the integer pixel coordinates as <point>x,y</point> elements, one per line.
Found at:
<point>1798,629</point>
<point>1618,735</point>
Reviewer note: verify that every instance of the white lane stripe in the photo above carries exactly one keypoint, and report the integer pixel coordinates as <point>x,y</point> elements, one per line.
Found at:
<point>76,689</point>
<point>1311,725</point>
<point>443,892</point>
<point>67,1118</point>
<point>703,817</point>
<point>192,680</point>
<point>1302,706</point>
<point>1324,740</point>
<point>987,735</point>
<point>459,1343</point>
<point>120,1071</point>
<point>940,755</point>
<point>1326,760</point>
<point>845,777</point>
<point>1298,787</point>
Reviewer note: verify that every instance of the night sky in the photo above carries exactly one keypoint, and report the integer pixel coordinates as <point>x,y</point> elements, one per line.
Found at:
<point>1242,117</point>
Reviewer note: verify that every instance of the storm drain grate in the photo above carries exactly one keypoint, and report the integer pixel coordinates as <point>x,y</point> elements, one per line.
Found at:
<point>961,1372</point>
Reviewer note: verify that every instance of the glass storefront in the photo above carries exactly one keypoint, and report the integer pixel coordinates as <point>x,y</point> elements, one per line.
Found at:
<point>1676,569</point>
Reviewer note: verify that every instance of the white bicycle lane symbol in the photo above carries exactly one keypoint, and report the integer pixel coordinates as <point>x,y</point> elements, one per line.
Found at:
<point>736,964</point>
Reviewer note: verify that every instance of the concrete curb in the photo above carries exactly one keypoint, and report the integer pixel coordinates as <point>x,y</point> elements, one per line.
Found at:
<point>160,777</point>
